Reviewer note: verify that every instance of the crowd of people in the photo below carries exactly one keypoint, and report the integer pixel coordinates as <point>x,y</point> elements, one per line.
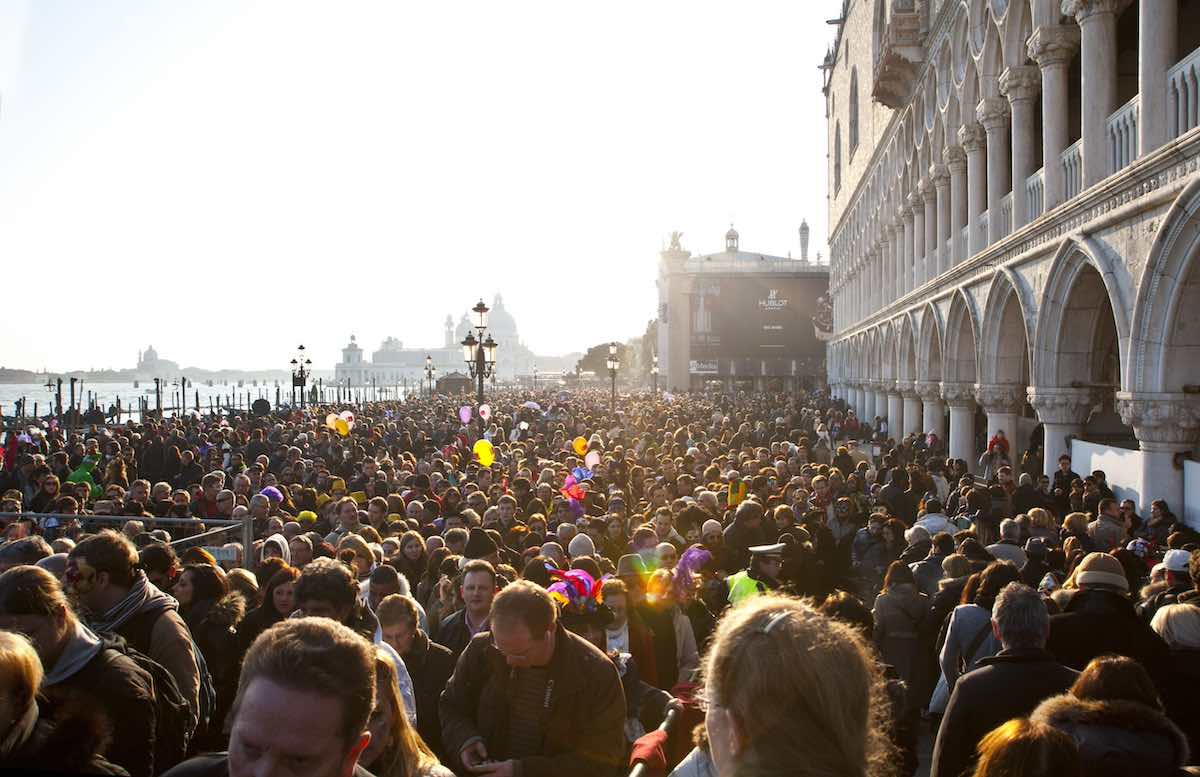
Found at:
<point>708,585</point>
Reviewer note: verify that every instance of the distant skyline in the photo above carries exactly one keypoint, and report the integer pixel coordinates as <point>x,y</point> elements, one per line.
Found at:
<point>228,179</point>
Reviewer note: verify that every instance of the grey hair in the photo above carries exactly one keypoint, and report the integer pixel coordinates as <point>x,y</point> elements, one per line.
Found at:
<point>1010,529</point>
<point>1021,617</point>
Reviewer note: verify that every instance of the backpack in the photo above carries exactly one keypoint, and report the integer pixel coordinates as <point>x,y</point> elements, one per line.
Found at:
<point>137,631</point>
<point>172,715</point>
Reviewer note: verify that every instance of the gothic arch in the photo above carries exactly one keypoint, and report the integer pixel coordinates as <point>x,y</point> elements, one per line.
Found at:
<point>1016,31</point>
<point>906,351</point>
<point>930,338</point>
<point>1062,326</point>
<point>1167,295</point>
<point>887,352</point>
<point>960,359</point>
<point>1008,318</point>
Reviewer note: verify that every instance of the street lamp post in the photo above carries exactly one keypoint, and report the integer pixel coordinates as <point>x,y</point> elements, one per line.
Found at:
<point>429,370</point>
<point>614,363</point>
<point>480,354</point>
<point>654,373</point>
<point>535,377</point>
<point>300,373</point>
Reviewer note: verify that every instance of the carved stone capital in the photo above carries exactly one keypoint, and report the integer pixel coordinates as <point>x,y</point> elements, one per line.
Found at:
<point>906,215</point>
<point>958,394</point>
<point>1020,83</point>
<point>993,113</point>
<point>916,202</point>
<point>971,136</point>
<point>1000,397</point>
<point>956,159</point>
<point>928,191</point>
<point>1167,422</point>
<point>1062,405</point>
<point>1085,10</point>
<point>1054,45</point>
<point>928,391</point>
<point>940,175</point>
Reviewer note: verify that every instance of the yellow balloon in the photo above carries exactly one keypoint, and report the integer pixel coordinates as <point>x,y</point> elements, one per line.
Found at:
<point>580,444</point>
<point>342,427</point>
<point>485,452</point>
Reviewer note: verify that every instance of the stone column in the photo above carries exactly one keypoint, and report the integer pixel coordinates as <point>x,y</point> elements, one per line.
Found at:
<point>941,176</point>
<point>992,113</point>
<point>1157,20</point>
<point>869,412</point>
<point>1098,30</point>
<point>1002,402</point>
<point>1165,425</point>
<point>956,163</point>
<point>970,137</point>
<point>898,257</point>
<point>907,215</point>
<point>1020,85</point>
<point>1063,412</point>
<point>1053,47</point>
<point>933,410</point>
<point>912,409</point>
<point>917,203</point>
<point>895,415</point>
<point>887,288</point>
<point>961,398</point>
<point>929,268</point>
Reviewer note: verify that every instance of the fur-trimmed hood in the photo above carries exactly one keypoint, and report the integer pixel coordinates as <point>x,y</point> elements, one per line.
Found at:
<point>1117,737</point>
<point>72,742</point>
<point>224,614</point>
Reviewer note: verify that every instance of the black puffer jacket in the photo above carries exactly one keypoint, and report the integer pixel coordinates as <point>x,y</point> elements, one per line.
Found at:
<point>1117,738</point>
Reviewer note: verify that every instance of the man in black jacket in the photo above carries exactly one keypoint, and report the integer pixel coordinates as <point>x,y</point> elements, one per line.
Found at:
<point>429,664</point>
<point>477,589</point>
<point>531,699</point>
<point>1007,685</point>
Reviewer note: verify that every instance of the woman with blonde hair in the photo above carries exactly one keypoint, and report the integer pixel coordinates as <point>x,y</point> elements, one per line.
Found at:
<point>396,749</point>
<point>70,743</point>
<point>790,691</point>
<point>1043,524</point>
<point>1023,748</point>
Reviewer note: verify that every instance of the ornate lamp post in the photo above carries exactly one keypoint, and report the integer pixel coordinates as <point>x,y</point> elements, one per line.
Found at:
<point>613,363</point>
<point>480,354</point>
<point>429,370</point>
<point>654,373</point>
<point>300,374</point>
<point>535,377</point>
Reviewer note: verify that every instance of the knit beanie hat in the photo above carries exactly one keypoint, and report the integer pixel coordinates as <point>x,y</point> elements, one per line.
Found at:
<point>479,544</point>
<point>1101,569</point>
<point>581,545</point>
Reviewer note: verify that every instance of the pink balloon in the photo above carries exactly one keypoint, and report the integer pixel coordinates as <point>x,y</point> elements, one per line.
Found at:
<point>464,414</point>
<point>485,412</point>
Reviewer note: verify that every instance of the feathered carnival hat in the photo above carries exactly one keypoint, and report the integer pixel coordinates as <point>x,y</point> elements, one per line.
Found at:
<point>577,595</point>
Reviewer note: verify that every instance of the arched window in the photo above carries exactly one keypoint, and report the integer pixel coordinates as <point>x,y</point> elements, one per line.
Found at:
<point>837,157</point>
<point>853,104</point>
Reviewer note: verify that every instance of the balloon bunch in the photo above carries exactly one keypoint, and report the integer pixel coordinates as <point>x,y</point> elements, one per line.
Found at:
<point>342,424</point>
<point>574,494</point>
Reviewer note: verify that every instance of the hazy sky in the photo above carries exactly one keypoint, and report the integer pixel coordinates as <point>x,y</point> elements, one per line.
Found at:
<point>227,179</point>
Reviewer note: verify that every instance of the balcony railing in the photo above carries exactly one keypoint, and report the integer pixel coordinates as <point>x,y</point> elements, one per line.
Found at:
<point>1183,94</point>
<point>1072,162</point>
<point>964,244</point>
<point>983,229</point>
<point>1035,194</point>
<point>1122,131</point>
<point>1006,207</point>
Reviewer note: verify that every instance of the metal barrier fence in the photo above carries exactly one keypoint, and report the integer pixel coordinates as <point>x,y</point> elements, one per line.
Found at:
<point>666,727</point>
<point>215,528</point>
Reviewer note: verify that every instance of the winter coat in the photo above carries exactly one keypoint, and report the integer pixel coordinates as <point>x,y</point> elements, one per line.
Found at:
<point>452,632</point>
<point>1117,738</point>
<point>928,573</point>
<point>1107,533</point>
<point>217,765</point>
<point>121,690</point>
<point>214,626</point>
<point>582,718</point>
<point>1007,685</point>
<point>899,613</point>
<point>1095,622</point>
<point>72,743</point>
<point>430,666</point>
<point>1181,694</point>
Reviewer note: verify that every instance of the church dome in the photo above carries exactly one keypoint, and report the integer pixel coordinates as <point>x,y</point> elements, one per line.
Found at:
<point>500,322</point>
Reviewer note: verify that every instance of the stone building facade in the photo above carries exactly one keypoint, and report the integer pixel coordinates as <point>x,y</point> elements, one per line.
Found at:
<point>1014,209</point>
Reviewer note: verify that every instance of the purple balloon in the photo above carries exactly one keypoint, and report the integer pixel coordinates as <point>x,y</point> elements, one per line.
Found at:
<point>464,414</point>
